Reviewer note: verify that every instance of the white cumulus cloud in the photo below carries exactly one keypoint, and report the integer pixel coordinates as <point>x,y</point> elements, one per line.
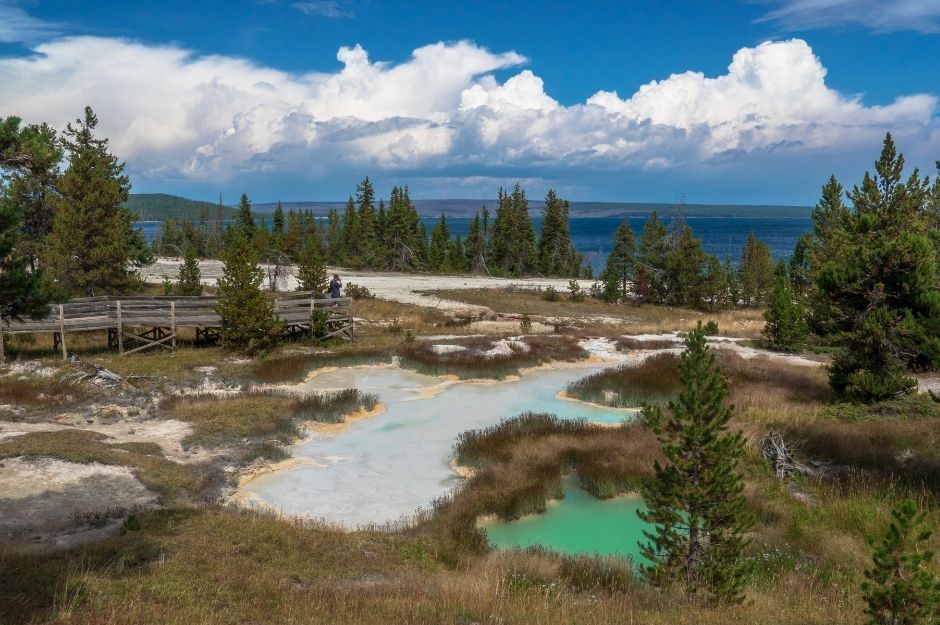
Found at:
<point>174,114</point>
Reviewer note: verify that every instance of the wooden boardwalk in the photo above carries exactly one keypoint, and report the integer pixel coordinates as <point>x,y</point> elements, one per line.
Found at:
<point>134,324</point>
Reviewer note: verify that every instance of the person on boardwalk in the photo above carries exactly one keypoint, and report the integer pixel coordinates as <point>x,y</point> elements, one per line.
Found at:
<point>335,286</point>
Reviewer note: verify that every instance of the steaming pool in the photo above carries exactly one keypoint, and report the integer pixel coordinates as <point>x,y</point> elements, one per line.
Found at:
<point>384,468</point>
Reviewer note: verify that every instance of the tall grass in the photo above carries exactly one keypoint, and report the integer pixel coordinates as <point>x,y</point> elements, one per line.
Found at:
<point>655,380</point>
<point>294,367</point>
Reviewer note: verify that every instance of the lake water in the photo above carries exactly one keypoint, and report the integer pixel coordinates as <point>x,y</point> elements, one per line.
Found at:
<point>724,236</point>
<point>384,468</point>
<point>578,524</point>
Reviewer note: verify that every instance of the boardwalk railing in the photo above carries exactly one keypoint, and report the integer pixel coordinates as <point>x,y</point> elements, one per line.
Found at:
<point>137,323</point>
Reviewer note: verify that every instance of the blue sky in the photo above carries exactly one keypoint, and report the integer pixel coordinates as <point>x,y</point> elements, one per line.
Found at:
<point>738,102</point>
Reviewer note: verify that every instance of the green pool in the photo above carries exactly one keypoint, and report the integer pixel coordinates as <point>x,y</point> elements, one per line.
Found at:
<point>579,523</point>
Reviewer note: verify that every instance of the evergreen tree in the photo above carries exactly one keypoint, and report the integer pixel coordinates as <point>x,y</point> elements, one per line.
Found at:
<point>732,284</point>
<point>244,220</point>
<point>555,250</point>
<point>475,245</point>
<point>311,272</point>
<point>277,229</point>
<point>653,253</point>
<point>714,285</point>
<point>93,248</point>
<point>641,285</point>
<point>405,240</point>
<point>293,236</point>
<point>456,255</point>
<point>334,237</point>
<point>29,167</point>
<point>878,291</point>
<point>351,232</point>
<point>621,262</point>
<point>695,501</point>
<point>786,321</point>
<point>247,314</point>
<point>26,155</point>
<point>365,201</point>
<point>800,268</point>
<point>899,588</point>
<point>757,271</point>
<point>437,252</point>
<point>684,270</point>
<point>190,277</point>
<point>523,243</point>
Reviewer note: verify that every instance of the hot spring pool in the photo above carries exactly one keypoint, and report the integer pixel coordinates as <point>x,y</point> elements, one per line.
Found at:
<point>382,469</point>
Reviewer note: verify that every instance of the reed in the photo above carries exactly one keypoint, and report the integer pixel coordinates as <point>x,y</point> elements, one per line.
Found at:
<point>655,380</point>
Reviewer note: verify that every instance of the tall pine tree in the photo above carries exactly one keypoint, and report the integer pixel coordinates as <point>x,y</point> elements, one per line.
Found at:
<point>695,501</point>
<point>247,314</point>
<point>621,262</point>
<point>93,248</point>
<point>189,281</point>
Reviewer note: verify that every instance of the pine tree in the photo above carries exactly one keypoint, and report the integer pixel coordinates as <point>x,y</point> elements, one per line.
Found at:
<point>684,270</point>
<point>21,289</point>
<point>475,245</point>
<point>899,588</point>
<point>653,254</point>
<point>334,237</point>
<point>641,285</point>
<point>29,166</point>
<point>244,220</point>
<point>456,255</point>
<point>437,252</point>
<point>189,281</point>
<point>801,270</point>
<point>756,271</point>
<point>555,250</point>
<point>351,232</point>
<point>786,320</point>
<point>877,289</point>
<point>365,201</point>
<point>22,152</point>
<point>93,248</point>
<point>277,229</point>
<point>311,272</point>
<point>621,262</point>
<point>714,287</point>
<point>695,501</point>
<point>523,243</point>
<point>247,314</point>
<point>293,236</point>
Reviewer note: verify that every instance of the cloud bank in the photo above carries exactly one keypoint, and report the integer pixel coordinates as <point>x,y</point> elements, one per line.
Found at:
<point>174,115</point>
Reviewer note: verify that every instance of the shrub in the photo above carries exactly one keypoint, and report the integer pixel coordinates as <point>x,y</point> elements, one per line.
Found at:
<point>356,291</point>
<point>576,293</point>
<point>550,294</point>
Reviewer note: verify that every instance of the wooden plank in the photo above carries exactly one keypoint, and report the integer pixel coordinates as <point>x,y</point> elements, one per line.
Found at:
<point>120,329</point>
<point>173,323</point>
<point>65,354</point>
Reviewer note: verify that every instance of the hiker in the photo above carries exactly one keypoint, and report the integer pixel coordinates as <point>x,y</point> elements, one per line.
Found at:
<point>335,285</point>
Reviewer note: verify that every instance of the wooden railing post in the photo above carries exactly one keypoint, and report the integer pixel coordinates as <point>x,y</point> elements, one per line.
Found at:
<point>120,328</point>
<point>65,353</point>
<point>173,324</point>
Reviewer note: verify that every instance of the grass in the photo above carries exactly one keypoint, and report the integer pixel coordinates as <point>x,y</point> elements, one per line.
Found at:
<point>43,392</point>
<point>646,319</point>
<point>294,367</point>
<point>468,363</point>
<point>176,483</point>
<point>629,343</point>
<point>655,380</point>
<point>263,415</point>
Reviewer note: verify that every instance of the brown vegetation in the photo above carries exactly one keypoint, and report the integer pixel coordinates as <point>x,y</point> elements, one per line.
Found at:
<point>655,380</point>
<point>471,363</point>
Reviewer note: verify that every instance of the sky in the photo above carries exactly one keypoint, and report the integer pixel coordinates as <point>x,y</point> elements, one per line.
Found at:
<point>750,102</point>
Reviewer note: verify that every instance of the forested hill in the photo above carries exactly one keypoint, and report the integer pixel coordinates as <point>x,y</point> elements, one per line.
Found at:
<point>468,208</point>
<point>160,206</point>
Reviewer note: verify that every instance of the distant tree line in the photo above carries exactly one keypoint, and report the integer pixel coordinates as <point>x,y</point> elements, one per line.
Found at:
<point>669,266</point>
<point>392,236</point>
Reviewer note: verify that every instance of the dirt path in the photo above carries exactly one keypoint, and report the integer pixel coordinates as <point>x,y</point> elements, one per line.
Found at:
<point>399,287</point>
